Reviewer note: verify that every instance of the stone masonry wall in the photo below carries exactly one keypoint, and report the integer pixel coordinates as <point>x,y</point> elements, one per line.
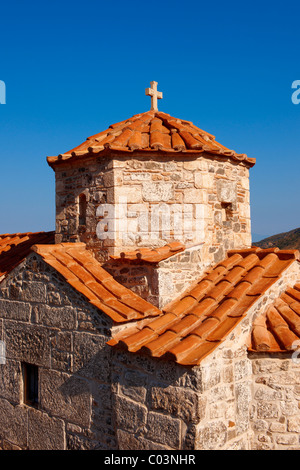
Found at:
<point>179,272</point>
<point>90,178</point>
<point>275,410</point>
<point>209,407</point>
<point>159,283</point>
<point>93,396</point>
<point>206,199</point>
<point>135,202</point>
<point>160,405</point>
<point>44,322</point>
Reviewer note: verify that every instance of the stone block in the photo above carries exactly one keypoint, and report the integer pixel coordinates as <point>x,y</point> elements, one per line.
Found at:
<point>112,178</point>
<point>65,396</point>
<point>293,424</point>
<point>198,179</point>
<point>14,310</point>
<point>208,181</point>
<point>264,393</point>
<point>289,407</point>
<point>45,432</point>
<point>128,441</point>
<point>129,415</point>
<point>242,369</point>
<point>157,192</point>
<point>33,292</point>
<point>28,343</point>
<point>57,317</point>
<point>211,436</point>
<point>165,283</point>
<point>267,410</point>
<point>181,403</point>
<point>102,396</point>
<point>194,195</point>
<point>14,424</point>
<point>164,430</point>
<point>137,176</point>
<point>278,427</point>
<point>135,385</point>
<point>226,191</point>
<point>243,399</point>
<point>191,165</point>
<point>90,353</point>
<point>286,439</point>
<point>124,194</point>
<point>10,381</point>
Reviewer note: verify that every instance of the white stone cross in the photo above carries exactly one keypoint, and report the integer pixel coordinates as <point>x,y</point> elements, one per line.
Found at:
<point>155,95</point>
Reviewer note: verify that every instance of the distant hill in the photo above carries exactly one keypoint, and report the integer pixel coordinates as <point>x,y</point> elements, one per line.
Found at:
<point>284,241</point>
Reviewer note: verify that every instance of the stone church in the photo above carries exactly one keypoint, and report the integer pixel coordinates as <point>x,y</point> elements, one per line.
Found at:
<point>147,320</point>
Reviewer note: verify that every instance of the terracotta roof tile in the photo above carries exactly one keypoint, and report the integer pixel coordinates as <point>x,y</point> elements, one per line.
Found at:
<point>85,274</point>
<point>162,344</point>
<point>149,132</point>
<point>15,247</point>
<point>193,325</point>
<point>278,328</point>
<point>149,255</point>
<point>195,354</point>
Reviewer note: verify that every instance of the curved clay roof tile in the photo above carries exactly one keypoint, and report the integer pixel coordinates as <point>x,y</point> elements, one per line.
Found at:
<point>152,132</point>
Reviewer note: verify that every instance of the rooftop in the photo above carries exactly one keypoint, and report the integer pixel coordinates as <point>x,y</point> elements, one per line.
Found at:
<point>15,247</point>
<point>148,255</point>
<point>152,131</point>
<point>195,324</point>
<point>278,329</point>
<point>85,274</point>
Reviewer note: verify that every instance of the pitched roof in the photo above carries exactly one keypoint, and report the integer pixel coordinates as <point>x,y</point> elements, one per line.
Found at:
<point>196,323</point>
<point>149,255</point>
<point>278,329</point>
<point>190,327</point>
<point>85,274</point>
<point>148,132</point>
<point>15,247</point>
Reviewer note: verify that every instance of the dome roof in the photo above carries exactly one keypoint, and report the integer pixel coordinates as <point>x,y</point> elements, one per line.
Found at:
<point>152,131</point>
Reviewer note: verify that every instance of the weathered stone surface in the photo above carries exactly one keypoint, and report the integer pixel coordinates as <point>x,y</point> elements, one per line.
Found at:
<point>164,430</point>
<point>66,396</point>
<point>293,424</point>
<point>14,423</point>
<point>157,192</point>
<point>10,381</point>
<point>90,354</point>
<point>285,439</point>
<point>33,292</point>
<point>92,397</point>
<point>277,427</point>
<point>267,410</point>
<point>267,394</point>
<point>129,415</point>
<point>135,386</point>
<point>28,343</point>
<point>277,401</point>
<point>45,432</point>
<point>226,191</point>
<point>128,441</point>
<point>175,401</point>
<point>58,317</point>
<point>243,400</point>
<point>14,310</point>
<point>211,436</point>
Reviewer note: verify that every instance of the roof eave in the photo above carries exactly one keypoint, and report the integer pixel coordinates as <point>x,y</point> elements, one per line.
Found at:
<point>62,159</point>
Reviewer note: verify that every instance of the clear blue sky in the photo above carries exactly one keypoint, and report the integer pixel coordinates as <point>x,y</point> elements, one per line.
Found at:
<point>73,68</point>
